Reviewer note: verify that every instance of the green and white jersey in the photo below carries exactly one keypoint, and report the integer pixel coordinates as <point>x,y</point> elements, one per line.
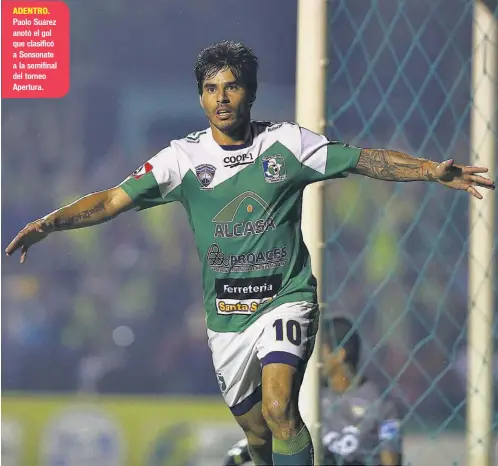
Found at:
<point>244,206</point>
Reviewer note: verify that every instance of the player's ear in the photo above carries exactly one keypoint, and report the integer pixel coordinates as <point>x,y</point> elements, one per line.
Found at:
<point>200,101</point>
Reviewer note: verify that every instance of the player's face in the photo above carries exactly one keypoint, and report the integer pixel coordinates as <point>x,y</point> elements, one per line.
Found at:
<point>225,101</point>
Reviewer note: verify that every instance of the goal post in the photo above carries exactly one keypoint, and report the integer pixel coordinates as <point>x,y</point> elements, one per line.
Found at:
<point>310,113</point>
<point>482,255</point>
<point>412,263</point>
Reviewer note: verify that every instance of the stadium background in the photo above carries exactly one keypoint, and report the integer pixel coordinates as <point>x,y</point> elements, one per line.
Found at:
<point>105,326</point>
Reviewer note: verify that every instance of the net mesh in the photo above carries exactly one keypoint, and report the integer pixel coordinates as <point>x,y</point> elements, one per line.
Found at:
<point>396,254</point>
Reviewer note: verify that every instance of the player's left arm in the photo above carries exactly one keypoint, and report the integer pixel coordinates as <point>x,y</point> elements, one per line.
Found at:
<point>323,159</point>
<point>391,165</point>
<point>390,435</point>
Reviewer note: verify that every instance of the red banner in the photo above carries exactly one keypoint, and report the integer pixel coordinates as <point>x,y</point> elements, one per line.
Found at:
<point>35,49</point>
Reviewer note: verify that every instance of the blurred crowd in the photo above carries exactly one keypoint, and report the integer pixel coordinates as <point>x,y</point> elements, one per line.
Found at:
<point>136,274</point>
<point>118,308</point>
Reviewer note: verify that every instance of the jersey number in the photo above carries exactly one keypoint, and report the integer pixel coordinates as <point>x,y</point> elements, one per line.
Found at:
<point>292,331</point>
<point>342,443</point>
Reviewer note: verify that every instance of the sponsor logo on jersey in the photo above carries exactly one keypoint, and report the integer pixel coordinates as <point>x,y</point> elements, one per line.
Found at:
<point>141,171</point>
<point>241,229</point>
<point>359,407</point>
<point>205,174</point>
<point>358,411</point>
<point>344,443</point>
<point>268,259</point>
<point>248,204</point>
<point>273,127</point>
<point>389,430</point>
<point>232,161</point>
<point>274,169</point>
<point>270,125</point>
<point>245,295</point>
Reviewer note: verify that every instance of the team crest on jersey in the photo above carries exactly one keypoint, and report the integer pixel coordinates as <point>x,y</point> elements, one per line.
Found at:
<point>205,174</point>
<point>358,411</point>
<point>274,169</point>
<point>141,171</point>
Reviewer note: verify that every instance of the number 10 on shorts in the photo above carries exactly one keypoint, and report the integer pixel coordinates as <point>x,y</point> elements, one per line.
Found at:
<point>289,330</point>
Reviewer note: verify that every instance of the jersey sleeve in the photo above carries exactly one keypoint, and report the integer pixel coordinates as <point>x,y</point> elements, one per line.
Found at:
<point>390,435</point>
<point>157,181</point>
<point>323,159</point>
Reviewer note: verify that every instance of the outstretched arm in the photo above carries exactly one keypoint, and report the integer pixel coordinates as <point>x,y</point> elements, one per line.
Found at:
<point>390,165</point>
<point>90,210</point>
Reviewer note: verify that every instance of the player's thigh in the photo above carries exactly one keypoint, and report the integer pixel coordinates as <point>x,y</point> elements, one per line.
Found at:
<point>237,367</point>
<point>284,350</point>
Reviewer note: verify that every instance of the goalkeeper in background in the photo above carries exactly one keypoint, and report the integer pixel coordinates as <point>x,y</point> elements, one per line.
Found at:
<point>360,427</point>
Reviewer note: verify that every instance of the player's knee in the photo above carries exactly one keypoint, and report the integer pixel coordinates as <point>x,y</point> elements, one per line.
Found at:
<point>277,409</point>
<point>281,385</point>
<point>281,415</point>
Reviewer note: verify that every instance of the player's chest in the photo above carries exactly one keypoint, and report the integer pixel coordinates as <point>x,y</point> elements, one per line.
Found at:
<point>353,413</point>
<point>223,177</point>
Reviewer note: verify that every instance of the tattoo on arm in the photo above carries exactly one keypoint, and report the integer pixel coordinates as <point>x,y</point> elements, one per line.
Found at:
<point>73,221</point>
<point>390,165</point>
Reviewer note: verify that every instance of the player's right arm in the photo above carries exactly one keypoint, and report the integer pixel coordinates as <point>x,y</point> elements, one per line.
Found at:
<point>89,210</point>
<point>158,181</point>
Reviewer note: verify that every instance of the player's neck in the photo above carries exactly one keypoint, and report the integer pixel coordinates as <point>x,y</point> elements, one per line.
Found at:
<point>238,137</point>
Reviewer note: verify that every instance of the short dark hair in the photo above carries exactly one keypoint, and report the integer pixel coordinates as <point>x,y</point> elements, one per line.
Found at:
<point>339,332</point>
<point>235,56</point>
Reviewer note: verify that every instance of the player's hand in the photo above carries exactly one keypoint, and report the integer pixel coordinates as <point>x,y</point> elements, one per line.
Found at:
<point>465,178</point>
<point>31,234</point>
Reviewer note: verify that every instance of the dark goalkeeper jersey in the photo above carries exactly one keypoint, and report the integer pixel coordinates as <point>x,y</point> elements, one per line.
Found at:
<point>357,425</point>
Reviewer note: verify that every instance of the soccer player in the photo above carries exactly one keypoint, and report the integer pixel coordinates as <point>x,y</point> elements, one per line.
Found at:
<point>241,183</point>
<point>359,427</point>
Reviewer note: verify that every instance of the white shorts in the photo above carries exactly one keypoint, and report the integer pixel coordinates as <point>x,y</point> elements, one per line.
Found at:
<point>286,334</point>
